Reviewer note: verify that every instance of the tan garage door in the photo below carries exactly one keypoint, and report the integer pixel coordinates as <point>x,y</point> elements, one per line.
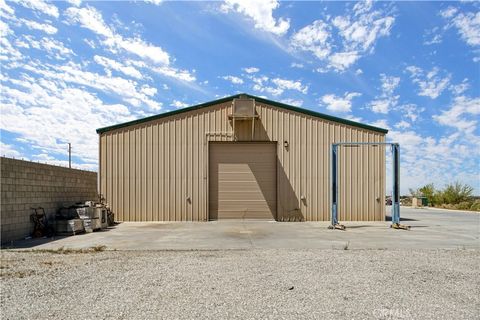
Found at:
<point>242,181</point>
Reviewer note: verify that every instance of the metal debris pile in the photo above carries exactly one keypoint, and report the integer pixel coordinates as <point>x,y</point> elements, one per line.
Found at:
<point>71,220</point>
<point>83,217</point>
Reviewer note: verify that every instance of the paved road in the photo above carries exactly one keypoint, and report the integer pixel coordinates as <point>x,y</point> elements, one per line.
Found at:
<point>430,229</point>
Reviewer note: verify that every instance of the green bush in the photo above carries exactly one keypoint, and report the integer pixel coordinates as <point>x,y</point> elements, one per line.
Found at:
<point>464,205</point>
<point>456,193</point>
<point>429,192</point>
<point>475,205</point>
<point>454,196</point>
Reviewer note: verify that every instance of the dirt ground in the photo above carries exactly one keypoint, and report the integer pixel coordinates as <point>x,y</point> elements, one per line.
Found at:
<point>240,284</point>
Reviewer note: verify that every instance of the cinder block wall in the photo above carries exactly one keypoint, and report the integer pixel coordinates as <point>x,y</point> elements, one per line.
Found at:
<point>25,184</point>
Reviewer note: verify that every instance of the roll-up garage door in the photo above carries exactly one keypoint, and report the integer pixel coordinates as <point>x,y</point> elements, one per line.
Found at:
<point>242,182</point>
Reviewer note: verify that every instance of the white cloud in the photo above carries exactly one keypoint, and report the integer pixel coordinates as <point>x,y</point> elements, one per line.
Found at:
<point>73,73</point>
<point>260,84</point>
<point>410,111</point>
<point>469,27</point>
<point>60,113</point>
<point>251,70</point>
<point>414,71</point>
<point>91,19</point>
<point>386,100</point>
<point>361,34</point>
<point>149,91</point>
<point>52,47</point>
<point>175,73</point>
<point>389,84</point>
<point>434,40</point>
<point>90,43</point>
<point>8,52</point>
<point>21,44</point>
<point>460,88</point>
<point>402,125</point>
<point>179,104</point>
<point>448,158</point>
<point>407,139</point>
<point>142,49</point>
<point>6,10</point>
<point>233,79</point>
<point>8,150</point>
<point>432,36</point>
<point>271,90</point>
<point>56,47</point>
<point>467,24</point>
<point>353,118</point>
<point>456,116</point>
<point>313,38</point>
<point>76,3</point>
<point>261,12</point>
<point>359,72</point>
<point>297,65</point>
<point>110,64</point>
<point>449,12</point>
<point>49,159</point>
<point>285,84</point>
<point>380,105</point>
<point>343,60</point>
<point>277,86</point>
<point>39,26</point>
<point>362,7</point>
<point>383,123</point>
<point>40,6</point>
<point>293,102</point>
<point>358,33</point>
<point>155,2</point>
<point>430,84</point>
<point>339,104</point>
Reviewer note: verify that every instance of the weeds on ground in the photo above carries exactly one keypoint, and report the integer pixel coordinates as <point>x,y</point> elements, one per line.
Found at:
<point>63,250</point>
<point>17,274</point>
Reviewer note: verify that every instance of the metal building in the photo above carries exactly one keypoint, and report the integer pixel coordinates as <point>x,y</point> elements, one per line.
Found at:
<point>239,157</point>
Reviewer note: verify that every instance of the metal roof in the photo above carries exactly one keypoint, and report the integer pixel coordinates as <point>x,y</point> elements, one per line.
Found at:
<point>259,99</point>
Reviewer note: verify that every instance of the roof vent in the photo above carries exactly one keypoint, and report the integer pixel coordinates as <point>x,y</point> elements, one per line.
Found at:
<point>243,108</point>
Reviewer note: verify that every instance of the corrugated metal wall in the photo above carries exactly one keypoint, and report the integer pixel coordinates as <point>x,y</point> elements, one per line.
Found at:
<point>148,170</point>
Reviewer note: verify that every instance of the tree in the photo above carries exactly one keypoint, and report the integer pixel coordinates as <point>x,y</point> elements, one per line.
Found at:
<point>414,192</point>
<point>457,192</point>
<point>430,193</point>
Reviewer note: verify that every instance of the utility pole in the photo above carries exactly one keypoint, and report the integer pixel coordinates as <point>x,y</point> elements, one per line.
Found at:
<point>69,155</point>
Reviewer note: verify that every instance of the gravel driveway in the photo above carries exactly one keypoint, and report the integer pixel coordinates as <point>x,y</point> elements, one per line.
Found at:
<point>242,284</point>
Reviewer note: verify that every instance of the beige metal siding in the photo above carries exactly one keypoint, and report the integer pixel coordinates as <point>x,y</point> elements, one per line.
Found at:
<point>242,182</point>
<point>158,170</point>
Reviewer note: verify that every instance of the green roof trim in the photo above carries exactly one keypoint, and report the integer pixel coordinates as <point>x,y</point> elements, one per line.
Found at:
<point>261,100</point>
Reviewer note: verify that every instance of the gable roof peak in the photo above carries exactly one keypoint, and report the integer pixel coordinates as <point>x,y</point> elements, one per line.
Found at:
<point>246,95</point>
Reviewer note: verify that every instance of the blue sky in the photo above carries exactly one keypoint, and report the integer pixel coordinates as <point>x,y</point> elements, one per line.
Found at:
<point>68,68</point>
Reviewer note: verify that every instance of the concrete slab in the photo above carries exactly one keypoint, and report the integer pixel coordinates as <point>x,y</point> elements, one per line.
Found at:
<point>430,229</point>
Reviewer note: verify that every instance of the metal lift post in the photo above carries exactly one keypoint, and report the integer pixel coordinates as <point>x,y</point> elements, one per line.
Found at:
<point>395,211</point>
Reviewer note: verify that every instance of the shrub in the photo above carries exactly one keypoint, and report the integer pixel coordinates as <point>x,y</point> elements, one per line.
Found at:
<point>427,191</point>
<point>475,206</point>
<point>456,193</point>
<point>464,205</point>
<point>454,196</point>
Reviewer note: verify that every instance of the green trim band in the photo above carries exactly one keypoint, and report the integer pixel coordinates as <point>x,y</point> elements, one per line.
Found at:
<point>261,100</point>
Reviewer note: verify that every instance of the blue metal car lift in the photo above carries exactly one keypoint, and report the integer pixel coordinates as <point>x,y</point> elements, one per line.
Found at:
<point>395,147</point>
